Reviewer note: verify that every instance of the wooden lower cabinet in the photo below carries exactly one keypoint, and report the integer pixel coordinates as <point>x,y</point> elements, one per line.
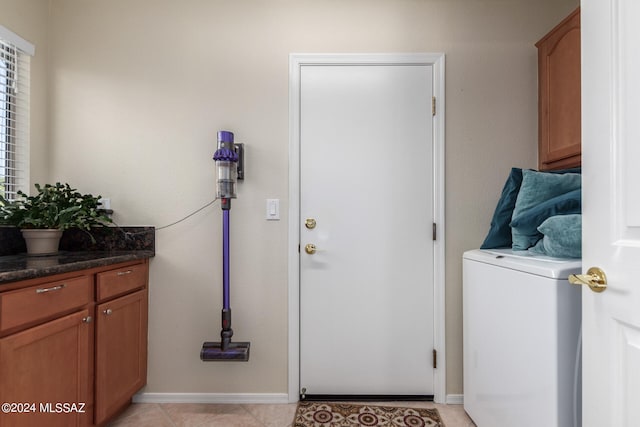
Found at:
<point>121,352</point>
<point>44,372</point>
<point>73,347</point>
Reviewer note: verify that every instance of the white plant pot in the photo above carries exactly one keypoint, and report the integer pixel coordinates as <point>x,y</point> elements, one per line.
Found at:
<point>42,241</point>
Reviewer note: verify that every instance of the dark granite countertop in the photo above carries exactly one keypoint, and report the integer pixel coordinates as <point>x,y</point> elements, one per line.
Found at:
<point>22,266</point>
<point>77,251</point>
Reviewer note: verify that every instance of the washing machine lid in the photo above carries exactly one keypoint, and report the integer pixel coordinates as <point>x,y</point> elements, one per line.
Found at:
<point>525,261</point>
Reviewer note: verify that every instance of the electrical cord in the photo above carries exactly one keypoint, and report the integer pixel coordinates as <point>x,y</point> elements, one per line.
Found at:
<point>188,216</point>
<point>129,234</point>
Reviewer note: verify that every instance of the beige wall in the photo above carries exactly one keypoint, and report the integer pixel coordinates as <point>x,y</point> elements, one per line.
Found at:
<point>139,88</point>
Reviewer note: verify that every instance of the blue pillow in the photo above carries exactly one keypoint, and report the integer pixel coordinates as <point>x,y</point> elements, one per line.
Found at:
<point>536,188</point>
<point>562,236</point>
<point>499,235</point>
<point>528,221</point>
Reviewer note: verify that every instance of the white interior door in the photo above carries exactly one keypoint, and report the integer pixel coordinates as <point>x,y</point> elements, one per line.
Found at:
<point>366,180</point>
<point>611,210</point>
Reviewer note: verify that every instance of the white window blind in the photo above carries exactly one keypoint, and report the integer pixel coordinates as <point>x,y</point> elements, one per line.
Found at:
<point>15,59</point>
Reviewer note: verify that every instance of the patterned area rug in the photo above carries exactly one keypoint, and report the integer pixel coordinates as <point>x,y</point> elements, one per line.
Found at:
<point>325,414</point>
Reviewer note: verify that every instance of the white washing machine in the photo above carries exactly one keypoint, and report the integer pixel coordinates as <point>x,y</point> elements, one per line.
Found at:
<point>521,338</point>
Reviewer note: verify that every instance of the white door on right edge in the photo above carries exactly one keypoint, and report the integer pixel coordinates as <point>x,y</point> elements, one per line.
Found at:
<point>611,211</point>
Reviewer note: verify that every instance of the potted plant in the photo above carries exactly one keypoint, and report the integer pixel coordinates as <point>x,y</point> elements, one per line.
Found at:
<point>52,210</point>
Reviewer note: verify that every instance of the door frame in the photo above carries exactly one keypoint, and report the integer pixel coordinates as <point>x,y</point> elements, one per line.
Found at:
<point>296,61</point>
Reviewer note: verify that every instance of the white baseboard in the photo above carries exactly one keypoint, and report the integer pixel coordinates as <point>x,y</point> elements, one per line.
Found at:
<point>270,398</point>
<point>455,399</point>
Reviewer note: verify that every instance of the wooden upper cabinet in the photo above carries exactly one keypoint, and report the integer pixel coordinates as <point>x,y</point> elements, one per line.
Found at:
<point>559,121</point>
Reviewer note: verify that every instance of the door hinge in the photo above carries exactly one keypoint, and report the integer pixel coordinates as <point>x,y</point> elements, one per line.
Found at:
<point>435,358</point>
<point>433,105</point>
<point>434,231</point>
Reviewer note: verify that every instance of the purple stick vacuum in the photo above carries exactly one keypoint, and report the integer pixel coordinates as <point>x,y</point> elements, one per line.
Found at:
<point>226,158</point>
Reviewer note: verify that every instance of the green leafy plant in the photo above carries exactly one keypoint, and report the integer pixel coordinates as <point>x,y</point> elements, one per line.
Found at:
<point>54,206</point>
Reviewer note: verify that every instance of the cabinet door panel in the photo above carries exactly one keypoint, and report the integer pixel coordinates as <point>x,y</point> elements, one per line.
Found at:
<point>559,96</point>
<point>121,352</point>
<point>46,365</point>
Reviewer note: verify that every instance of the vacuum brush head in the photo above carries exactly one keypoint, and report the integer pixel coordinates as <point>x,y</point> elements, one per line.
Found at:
<point>235,352</point>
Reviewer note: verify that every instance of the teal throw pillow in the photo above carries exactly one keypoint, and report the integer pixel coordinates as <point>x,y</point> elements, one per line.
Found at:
<point>537,188</point>
<point>527,222</point>
<point>562,237</point>
<point>499,235</point>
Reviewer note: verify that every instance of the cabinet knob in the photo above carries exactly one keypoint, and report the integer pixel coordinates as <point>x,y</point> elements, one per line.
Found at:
<point>87,319</point>
<point>107,312</point>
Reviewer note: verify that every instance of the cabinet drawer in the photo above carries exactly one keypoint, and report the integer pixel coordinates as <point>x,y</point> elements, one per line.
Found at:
<point>121,281</point>
<point>28,305</point>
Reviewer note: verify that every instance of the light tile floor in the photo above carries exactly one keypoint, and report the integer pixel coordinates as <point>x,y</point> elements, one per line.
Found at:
<point>244,415</point>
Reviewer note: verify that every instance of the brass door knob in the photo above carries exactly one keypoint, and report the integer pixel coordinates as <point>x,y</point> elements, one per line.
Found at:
<point>310,223</point>
<point>595,279</point>
<point>310,248</point>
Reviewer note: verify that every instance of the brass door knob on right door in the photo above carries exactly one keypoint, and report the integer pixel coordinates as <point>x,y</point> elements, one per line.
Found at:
<point>595,279</point>
<point>310,248</point>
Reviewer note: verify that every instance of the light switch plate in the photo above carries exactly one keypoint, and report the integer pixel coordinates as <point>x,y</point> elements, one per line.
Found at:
<point>273,210</point>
